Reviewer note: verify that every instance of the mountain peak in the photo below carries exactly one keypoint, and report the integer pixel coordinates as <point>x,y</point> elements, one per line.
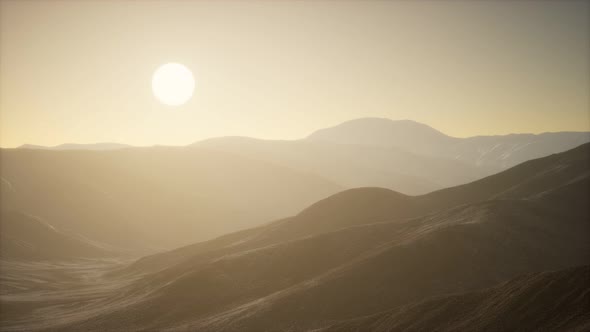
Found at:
<point>381,132</point>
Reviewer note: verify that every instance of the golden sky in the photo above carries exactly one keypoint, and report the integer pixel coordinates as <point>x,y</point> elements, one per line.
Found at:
<point>81,72</point>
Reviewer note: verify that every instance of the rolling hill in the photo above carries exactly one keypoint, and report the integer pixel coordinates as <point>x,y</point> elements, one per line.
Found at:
<point>534,179</point>
<point>329,264</point>
<point>27,238</point>
<point>73,146</point>
<point>152,198</point>
<point>354,166</point>
<point>121,195</point>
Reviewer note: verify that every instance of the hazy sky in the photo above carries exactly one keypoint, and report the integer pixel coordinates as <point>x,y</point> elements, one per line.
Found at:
<point>81,71</point>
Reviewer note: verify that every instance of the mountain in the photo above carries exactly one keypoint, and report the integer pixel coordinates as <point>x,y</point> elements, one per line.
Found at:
<point>28,238</point>
<point>527,180</point>
<point>502,152</point>
<point>405,156</point>
<point>546,301</point>
<point>405,134</point>
<point>492,153</point>
<point>562,177</point>
<point>357,253</point>
<point>73,146</point>
<point>354,166</point>
<point>152,198</point>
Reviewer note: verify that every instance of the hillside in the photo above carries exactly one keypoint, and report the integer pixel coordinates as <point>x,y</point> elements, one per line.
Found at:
<point>27,238</point>
<point>528,179</point>
<point>355,165</point>
<point>464,250</point>
<point>152,198</point>
<point>533,179</point>
<point>328,264</point>
<point>546,301</point>
<point>352,272</point>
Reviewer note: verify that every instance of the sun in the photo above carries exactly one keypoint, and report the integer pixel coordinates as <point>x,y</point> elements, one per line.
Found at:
<point>173,84</point>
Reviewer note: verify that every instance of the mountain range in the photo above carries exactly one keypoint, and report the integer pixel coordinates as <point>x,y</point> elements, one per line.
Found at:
<point>77,146</point>
<point>242,234</point>
<point>401,155</point>
<point>364,259</point>
<point>151,198</point>
<point>489,152</point>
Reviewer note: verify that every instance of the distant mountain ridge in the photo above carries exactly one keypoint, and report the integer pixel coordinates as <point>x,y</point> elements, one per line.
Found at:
<point>497,151</point>
<point>76,146</point>
<point>383,132</point>
<point>402,155</point>
<point>354,166</point>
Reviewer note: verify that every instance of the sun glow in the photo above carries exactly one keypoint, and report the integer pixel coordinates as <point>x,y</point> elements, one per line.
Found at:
<point>173,84</point>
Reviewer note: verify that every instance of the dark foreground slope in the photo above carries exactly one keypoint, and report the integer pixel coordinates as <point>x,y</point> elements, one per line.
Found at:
<point>547,301</point>
<point>466,250</point>
<point>330,264</point>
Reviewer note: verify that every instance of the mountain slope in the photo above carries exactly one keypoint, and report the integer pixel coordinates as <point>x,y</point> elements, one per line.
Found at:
<point>24,237</point>
<point>466,250</point>
<point>152,197</point>
<point>525,180</point>
<point>493,153</point>
<point>548,301</point>
<point>371,205</point>
<point>332,267</point>
<point>352,272</point>
<point>404,156</point>
<point>354,165</point>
